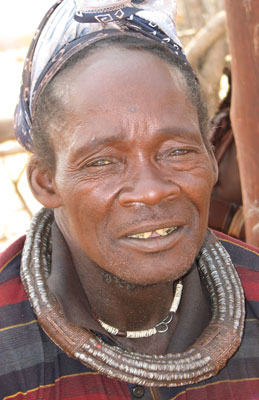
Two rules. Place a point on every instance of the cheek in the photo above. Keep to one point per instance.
(198, 186)
(88, 205)
(197, 189)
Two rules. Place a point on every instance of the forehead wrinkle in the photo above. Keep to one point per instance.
(125, 133)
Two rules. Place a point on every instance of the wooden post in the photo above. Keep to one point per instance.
(243, 31)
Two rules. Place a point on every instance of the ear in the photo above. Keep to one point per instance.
(42, 183)
(214, 164)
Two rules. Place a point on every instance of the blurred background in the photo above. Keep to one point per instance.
(201, 25)
(18, 22)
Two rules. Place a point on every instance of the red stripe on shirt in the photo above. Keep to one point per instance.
(241, 390)
(250, 283)
(11, 252)
(237, 242)
(12, 292)
(88, 386)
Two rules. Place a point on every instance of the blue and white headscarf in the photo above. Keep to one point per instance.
(71, 25)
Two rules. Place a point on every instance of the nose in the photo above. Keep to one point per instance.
(148, 185)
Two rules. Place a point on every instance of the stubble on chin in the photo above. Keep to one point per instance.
(110, 279)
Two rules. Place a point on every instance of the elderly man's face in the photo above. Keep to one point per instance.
(133, 175)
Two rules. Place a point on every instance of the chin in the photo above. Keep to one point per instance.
(154, 272)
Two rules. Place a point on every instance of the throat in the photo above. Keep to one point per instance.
(137, 309)
(143, 320)
(161, 327)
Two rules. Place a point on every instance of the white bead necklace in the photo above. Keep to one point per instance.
(161, 327)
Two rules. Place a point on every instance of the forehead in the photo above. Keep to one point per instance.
(116, 70)
(114, 89)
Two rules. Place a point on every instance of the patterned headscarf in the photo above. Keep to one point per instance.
(71, 25)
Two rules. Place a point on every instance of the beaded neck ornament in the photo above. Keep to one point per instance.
(161, 327)
(203, 359)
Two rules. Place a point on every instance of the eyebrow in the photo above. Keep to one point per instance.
(179, 131)
(99, 142)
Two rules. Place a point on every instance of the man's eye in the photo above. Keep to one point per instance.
(99, 163)
(179, 152)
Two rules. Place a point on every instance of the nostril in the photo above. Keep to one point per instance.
(149, 193)
(172, 196)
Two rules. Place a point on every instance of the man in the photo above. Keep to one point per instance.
(121, 292)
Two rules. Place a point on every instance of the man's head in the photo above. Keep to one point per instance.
(132, 177)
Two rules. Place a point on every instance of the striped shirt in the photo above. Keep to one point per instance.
(32, 367)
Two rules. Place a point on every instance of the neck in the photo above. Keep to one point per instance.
(124, 305)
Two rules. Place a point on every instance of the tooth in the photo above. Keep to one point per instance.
(161, 232)
(147, 235)
(165, 231)
(140, 235)
(136, 236)
(144, 235)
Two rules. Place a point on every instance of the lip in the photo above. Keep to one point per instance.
(153, 245)
(151, 228)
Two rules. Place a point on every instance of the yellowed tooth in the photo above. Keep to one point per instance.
(161, 231)
(147, 235)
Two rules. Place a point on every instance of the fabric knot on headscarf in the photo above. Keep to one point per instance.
(71, 25)
(108, 11)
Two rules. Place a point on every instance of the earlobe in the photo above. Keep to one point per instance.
(42, 184)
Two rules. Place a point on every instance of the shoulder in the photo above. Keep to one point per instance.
(10, 273)
(242, 254)
(31, 365)
(11, 256)
(246, 261)
(12, 294)
(15, 311)
(11, 289)
(20, 337)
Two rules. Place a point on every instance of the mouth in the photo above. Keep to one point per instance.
(153, 234)
(154, 240)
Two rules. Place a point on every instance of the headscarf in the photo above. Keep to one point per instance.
(71, 25)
